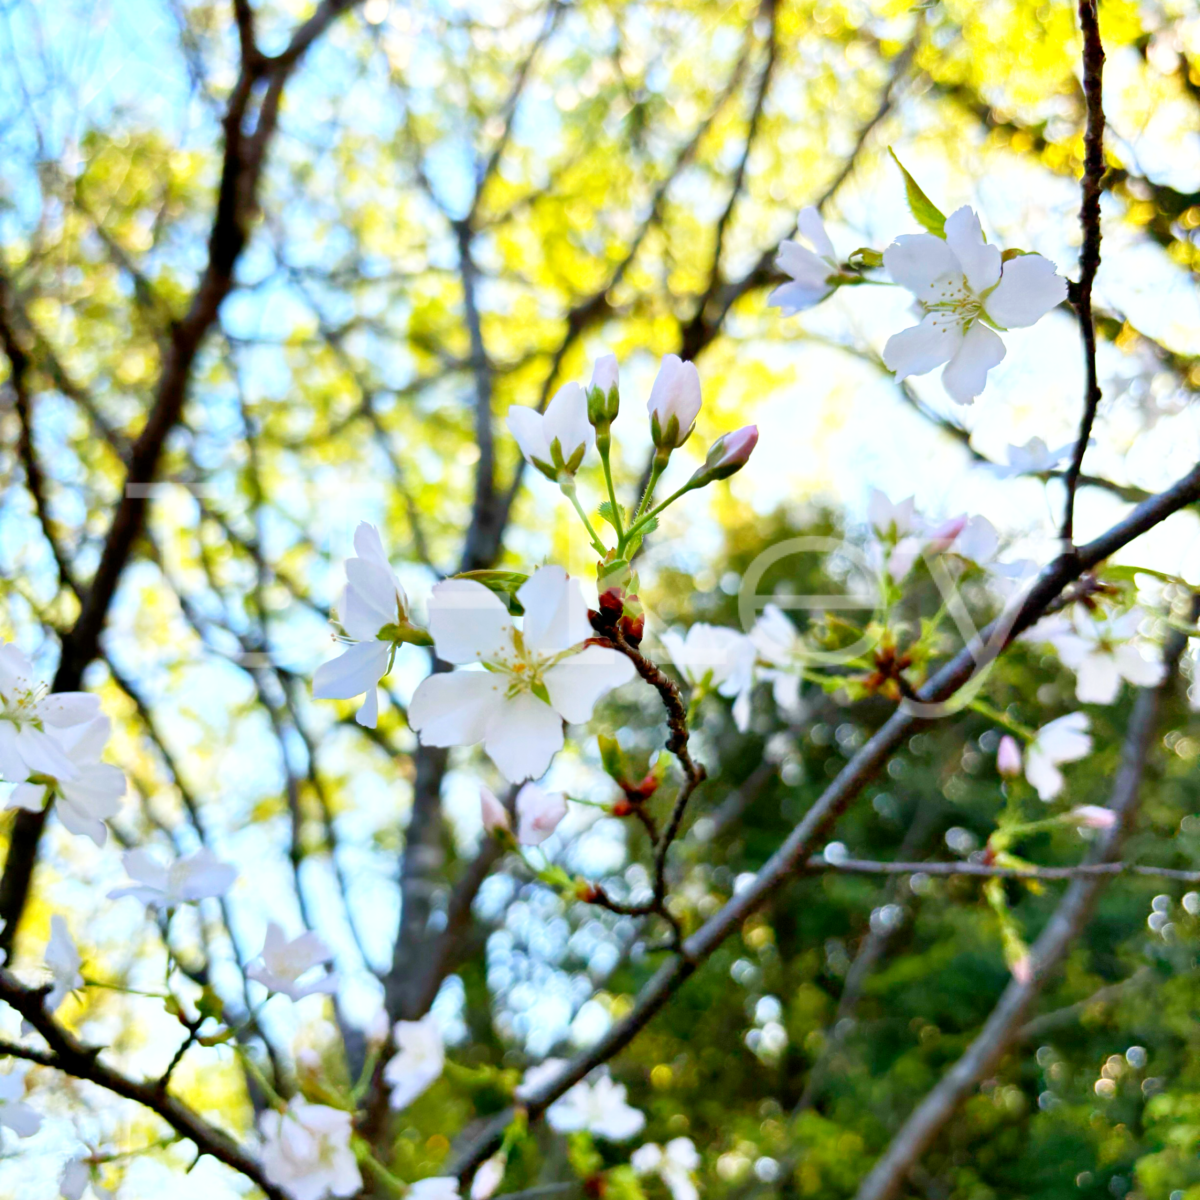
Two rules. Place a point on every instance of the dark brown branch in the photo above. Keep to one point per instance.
(68, 1054)
(1089, 257)
(1052, 946)
(791, 857)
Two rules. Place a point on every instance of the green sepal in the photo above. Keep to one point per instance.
(504, 584)
(864, 258)
(405, 635)
(927, 214)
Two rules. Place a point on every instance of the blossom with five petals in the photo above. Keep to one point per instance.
(374, 615)
(1101, 653)
(810, 269)
(558, 439)
(528, 681)
(307, 1150)
(418, 1062)
(964, 292)
(1062, 740)
(712, 656)
(282, 963)
(600, 1108)
(674, 1163)
(62, 959)
(92, 793)
(194, 877)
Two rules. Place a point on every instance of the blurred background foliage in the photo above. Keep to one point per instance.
(465, 205)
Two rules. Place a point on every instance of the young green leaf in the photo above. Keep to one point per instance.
(926, 212)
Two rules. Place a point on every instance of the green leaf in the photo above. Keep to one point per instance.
(606, 512)
(922, 208)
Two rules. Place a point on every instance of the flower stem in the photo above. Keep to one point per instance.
(612, 493)
(568, 490)
(1002, 718)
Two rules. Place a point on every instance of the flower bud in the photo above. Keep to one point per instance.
(1094, 816)
(495, 815)
(727, 455)
(674, 402)
(602, 396)
(1008, 757)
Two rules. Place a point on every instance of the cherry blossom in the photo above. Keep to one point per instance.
(964, 293)
(524, 682)
(1101, 653)
(809, 266)
(15, 1114)
(538, 1076)
(892, 521)
(27, 714)
(418, 1062)
(558, 439)
(779, 645)
(307, 1151)
(674, 1163)
(1008, 757)
(373, 613)
(283, 962)
(538, 814)
(1033, 458)
(674, 402)
(495, 815)
(1094, 816)
(434, 1187)
(711, 656)
(62, 960)
(1062, 740)
(599, 1108)
(73, 1181)
(726, 456)
(194, 877)
(91, 793)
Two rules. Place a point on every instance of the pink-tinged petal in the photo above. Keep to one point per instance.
(919, 349)
(555, 612)
(469, 623)
(915, 260)
(356, 670)
(1028, 289)
(525, 424)
(1097, 679)
(575, 684)
(369, 545)
(494, 814)
(965, 375)
(453, 709)
(980, 262)
(792, 298)
(523, 735)
(539, 814)
(813, 228)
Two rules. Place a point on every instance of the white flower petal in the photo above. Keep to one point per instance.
(980, 261)
(1138, 670)
(525, 424)
(915, 260)
(575, 684)
(469, 623)
(813, 228)
(370, 598)
(805, 267)
(965, 375)
(30, 796)
(538, 814)
(69, 708)
(454, 709)
(355, 671)
(369, 545)
(792, 298)
(1097, 679)
(368, 711)
(523, 736)
(919, 349)
(555, 612)
(12, 765)
(1028, 289)
(567, 420)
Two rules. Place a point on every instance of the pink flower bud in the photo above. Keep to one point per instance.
(727, 455)
(495, 815)
(674, 402)
(942, 538)
(1094, 816)
(1022, 970)
(1008, 757)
